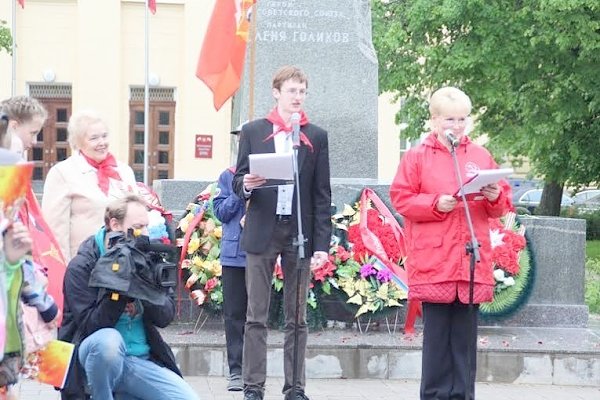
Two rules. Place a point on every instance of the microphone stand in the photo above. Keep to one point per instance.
(299, 242)
(472, 249)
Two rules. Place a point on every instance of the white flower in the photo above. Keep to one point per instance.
(499, 275)
(496, 238)
(155, 218)
(510, 281)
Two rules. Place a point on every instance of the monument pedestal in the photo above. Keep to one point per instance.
(557, 298)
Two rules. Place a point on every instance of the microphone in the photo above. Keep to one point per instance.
(453, 140)
(295, 119)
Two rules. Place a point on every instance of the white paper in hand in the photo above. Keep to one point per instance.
(272, 165)
(483, 178)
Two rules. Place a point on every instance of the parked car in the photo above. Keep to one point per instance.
(590, 205)
(585, 195)
(530, 199)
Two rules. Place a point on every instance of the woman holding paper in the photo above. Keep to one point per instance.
(423, 191)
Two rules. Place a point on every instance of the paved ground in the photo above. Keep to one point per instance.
(213, 388)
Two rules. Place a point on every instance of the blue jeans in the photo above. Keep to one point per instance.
(109, 370)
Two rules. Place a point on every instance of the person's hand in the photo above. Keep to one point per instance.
(491, 191)
(446, 203)
(17, 242)
(318, 259)
(251, 181)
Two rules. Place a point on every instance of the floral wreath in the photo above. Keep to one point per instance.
(359, 277)
(514, 267)
(353, 275)
(199, 235)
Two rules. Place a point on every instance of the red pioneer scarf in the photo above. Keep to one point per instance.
(106, 169)
(279, 124)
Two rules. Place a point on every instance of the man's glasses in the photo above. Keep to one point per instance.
(296, 92)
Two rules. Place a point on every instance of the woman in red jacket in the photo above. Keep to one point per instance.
(436, 230)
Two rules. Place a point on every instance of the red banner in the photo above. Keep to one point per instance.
(221, 61)
(45, 249)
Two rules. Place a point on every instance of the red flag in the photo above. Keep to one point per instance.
(22, 3)
(221, 60)
(45, 249)
(151, 6)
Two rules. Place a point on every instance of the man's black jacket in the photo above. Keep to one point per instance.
(85, 313)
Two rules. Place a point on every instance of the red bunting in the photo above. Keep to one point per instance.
(45, 249)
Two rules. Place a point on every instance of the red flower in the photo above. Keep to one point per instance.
(382, 230)
(506, 256)
(324, 271)
(211, 284)
(278, 271)
(342, 253)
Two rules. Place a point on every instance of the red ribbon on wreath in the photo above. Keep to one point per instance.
(375, 247)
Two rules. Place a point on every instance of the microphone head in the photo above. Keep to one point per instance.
(453, 140)
(295, 118)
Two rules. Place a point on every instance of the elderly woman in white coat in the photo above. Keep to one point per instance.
(77, 190)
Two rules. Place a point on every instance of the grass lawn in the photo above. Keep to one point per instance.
(592, 275)
(592, 249)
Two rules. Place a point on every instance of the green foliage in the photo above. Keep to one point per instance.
(5, 38)
(592, 219)
(531, 69)
(592, 284)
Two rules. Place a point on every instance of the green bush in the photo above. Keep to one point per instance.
(592, 221)
(592, 284)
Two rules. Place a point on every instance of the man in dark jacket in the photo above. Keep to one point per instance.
(229, 209)
(119, 350)
(271, 228)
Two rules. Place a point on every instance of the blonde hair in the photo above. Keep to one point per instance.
(286, 73)
(79, 124)
(449, 99)
(23, 109)
(117, 209)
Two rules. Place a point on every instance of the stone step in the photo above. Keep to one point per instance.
(552, 356)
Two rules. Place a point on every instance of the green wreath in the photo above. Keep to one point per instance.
(513, 285)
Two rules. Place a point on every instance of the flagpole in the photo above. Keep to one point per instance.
(13, 88)
(146, 95)
(251, 67)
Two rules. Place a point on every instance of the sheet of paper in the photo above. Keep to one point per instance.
(272, 165)
(484, 177)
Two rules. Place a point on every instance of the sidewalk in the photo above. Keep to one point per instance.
(213, 388)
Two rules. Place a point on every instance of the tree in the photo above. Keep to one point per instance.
(530, 67)
(5, 38)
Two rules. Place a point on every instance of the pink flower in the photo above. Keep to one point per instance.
(211, 284)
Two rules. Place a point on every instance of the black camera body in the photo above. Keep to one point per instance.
(135, 267)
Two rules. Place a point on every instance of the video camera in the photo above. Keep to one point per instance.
(135, 267)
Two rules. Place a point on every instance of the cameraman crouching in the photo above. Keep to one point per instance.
(119, 349)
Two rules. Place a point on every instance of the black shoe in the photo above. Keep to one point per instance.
(299, 396)
(252, 395)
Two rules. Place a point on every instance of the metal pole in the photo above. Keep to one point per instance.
(146, 94)
(13, 88)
